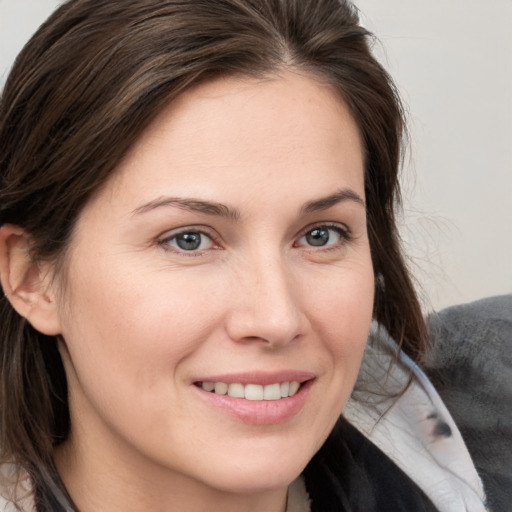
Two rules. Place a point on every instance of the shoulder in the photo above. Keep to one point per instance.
(398, 409)
(470, 364)
(474, 338)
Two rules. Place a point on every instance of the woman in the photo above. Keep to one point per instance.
(197, 213)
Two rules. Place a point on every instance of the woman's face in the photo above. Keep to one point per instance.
(229, 251)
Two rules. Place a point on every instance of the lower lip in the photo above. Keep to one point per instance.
(259, 412)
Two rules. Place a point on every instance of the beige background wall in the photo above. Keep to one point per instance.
(452, 60)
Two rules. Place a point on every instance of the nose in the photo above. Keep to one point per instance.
(266, 304)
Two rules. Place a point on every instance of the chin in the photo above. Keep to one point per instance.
(263, 470)
(249, 480)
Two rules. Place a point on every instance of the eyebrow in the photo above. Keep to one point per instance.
(194, 205)
(325, 203)
(221, 210)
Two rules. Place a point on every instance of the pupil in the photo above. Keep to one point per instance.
(318, 237)
(189, 241)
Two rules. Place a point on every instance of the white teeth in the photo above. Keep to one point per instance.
(236, 390)
(208, 386)
(253, 391)
(221, 388)
(272, 392)
(294, 387)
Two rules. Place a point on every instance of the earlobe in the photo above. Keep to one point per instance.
(27, 284)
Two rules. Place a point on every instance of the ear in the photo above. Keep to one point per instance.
(27, 284)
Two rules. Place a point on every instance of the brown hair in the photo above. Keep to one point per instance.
(84, 89)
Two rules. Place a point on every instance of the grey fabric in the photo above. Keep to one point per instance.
(470, 365)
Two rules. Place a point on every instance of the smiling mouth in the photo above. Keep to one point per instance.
(276, 391)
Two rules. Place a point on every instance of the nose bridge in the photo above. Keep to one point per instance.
(266, 305)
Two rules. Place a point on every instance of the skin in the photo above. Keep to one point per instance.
(141, 319)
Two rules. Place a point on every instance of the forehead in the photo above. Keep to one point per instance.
(252, 109)
(238, 134)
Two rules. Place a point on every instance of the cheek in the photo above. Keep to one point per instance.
(344, 302)
(128, 341)
(341, 314)
(136, 321)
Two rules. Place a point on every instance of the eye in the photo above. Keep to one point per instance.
(324, 236)
(189, 241)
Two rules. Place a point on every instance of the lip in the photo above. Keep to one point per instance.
(258, 412)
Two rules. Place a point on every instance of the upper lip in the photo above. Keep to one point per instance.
(258, 377)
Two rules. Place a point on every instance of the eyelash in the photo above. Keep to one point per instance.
(166, 240)
(344, 234)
